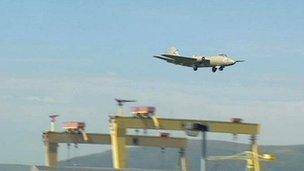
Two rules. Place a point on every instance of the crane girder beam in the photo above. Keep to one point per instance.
(180, 124)
(131, 140)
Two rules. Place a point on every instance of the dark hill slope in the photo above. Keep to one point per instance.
(289, 157)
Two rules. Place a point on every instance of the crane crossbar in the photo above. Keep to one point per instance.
(180, 124)
(131, 140)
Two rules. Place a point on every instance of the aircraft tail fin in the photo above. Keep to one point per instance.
(173, 51)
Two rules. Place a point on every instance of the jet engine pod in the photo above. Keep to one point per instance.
(200, 59)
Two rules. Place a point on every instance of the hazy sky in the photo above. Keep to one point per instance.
(74, 57)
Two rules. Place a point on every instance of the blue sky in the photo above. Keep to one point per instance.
(74, 57)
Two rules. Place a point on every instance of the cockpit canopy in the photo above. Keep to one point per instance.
(222, 54)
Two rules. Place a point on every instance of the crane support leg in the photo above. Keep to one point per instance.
(51, 154)
(255, 157)
(204, 151)
(156, 122)
(119, 152)
(183, 160)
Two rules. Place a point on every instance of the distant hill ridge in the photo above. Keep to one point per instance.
(14, 167)
(289, 158)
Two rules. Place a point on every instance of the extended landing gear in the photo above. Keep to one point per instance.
(214, 69)
(195, 68)
(221, 68)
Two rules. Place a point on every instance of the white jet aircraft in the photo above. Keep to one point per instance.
(216, 62)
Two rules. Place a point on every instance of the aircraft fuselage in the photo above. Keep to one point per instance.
(215, 61)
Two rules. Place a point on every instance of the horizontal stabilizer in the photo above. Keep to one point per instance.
(240, 61)
(163, 58)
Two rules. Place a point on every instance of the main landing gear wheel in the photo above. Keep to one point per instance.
(214, 69)
(221, 68)
(195, 68)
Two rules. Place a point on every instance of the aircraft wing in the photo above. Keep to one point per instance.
(185, 61)
(182, 59)
(177, 61)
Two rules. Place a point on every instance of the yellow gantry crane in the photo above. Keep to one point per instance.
(52, 139)
(120, 124)
(119, 138)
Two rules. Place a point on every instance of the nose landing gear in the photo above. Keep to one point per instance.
(221, 68)
(195, 68)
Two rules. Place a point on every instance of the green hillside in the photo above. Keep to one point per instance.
(289, 157)
(14, 167)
